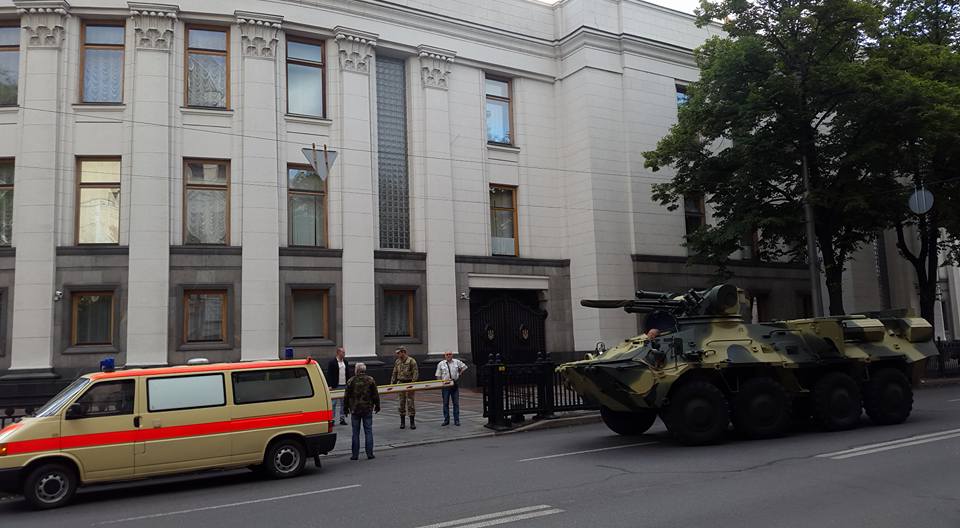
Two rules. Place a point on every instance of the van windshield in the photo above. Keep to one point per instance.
(57, 402)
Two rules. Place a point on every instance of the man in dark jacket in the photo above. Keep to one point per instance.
(360, 400)
(337, 374)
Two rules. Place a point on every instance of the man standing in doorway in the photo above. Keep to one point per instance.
(450, 369)
(405, 370)
(337, 374)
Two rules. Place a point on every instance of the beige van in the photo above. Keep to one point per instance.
(131, 424)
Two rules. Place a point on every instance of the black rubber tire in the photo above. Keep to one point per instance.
(888, 397)
(50, 485)
(628, 423)
(698, 413)
(761, 409)
(837, 404)
(284, 458)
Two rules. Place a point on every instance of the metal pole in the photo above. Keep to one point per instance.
(815, 293)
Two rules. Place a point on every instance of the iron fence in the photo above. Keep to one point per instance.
(948, 362)
(511, 391)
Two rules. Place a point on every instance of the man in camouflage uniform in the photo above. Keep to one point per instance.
(405, 371)
(360, 400)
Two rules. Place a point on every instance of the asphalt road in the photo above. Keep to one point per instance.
(894, 476)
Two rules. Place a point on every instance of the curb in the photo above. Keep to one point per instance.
(931, 383)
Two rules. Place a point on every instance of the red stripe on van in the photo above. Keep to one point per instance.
(165, 433)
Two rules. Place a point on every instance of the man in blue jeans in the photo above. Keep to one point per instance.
(360, 400)
(450, 369)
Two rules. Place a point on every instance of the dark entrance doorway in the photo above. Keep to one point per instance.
(506, 322)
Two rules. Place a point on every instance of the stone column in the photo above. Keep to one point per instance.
(357, 172)
(438, 176)
(39, 166)
(152, 166)
(260, 308)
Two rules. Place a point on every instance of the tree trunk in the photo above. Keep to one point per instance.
(924, 263)
(833, 274)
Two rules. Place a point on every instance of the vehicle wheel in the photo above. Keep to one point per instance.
(285, 458)
(888, 397)
(628, 423)
(50, 486)
(761, 409)
(836, 402)
(698, 413)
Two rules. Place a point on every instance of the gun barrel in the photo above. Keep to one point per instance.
(652, 295)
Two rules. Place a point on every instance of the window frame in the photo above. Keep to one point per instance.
(702, 206)
(233, 385)
(14, 23)
(83, 57)
(205, 186)
(323, 194)
(94, 385)
(187, 50)
(681, 87)
(508, 99)
(516, 223)
(411, 295)
(302, 62)
(223, 386)
(9, 187)
(325, 292)
(74, 316)
(224, 327)
(79, 185)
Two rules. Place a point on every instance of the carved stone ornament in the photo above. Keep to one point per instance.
(435, 66)
(259, 34)
(153, 25)
(356, 49)
(44, 21)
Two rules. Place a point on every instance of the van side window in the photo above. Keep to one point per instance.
(271, 385)
(108, 398)
(185, 392)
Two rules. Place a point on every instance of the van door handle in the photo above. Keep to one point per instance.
(136, 421)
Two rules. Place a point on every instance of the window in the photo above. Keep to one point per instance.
(98, 201)
(205, 316)
(503, 220)
(305, 78)
(208, 68)
(393, 184)
(498, 111)
(206, 202)
(694, 215)
(306, 207)
(310, 314)
(9, 64)
(751, 246)
(185, 392)
(101, 78)
(682, 95)
(398, 313)
(108, 398)
(255, 386)
(6, 202)
(92, 319)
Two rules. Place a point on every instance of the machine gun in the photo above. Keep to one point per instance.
(721, 300)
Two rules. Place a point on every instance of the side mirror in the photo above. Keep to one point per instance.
(75, 411)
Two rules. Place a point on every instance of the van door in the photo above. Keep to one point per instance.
(99, 430)
(185, 424)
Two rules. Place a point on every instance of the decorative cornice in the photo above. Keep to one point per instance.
(259, 34)
(44, 20)
(435, 66)
(356, 49)
(153, 25)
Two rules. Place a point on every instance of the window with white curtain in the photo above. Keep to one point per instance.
(102, 56)
(6, 202)
(206, 202)
(306, 207)
(208, 67)
(92, 319)
(98, 201)
(305, 78)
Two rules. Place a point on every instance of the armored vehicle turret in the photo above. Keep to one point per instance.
(700, 366)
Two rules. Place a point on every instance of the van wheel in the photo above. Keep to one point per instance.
(285, 458)
(50, 486)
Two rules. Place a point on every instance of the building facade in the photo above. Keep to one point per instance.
(156, 203)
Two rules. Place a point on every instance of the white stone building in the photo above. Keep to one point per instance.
(488, 176)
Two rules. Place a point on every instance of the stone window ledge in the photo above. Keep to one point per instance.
(222, 112)
(199, 347)
(107, 107)
(401, 341)
(11, 109)
(497, 147)
(92, 349)
(311, 342)
(307, 120)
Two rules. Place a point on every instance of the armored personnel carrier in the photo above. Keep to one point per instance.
(699, 366)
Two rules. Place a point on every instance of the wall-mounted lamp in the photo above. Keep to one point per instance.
(464, 296)
(58, 296)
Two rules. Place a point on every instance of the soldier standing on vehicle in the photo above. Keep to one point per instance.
(360, 400)
(405, 370)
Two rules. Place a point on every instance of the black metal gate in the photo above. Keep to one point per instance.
(504, 325)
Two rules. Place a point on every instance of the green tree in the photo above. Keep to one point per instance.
(766, 99)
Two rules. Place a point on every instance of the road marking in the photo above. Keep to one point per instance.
(493, 519)
(587, 451)
(893, 444)
(231, 505)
